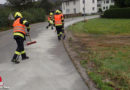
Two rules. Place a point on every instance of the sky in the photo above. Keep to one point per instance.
(2, 1)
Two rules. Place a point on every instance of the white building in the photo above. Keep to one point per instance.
(85, 6)
(104, 4)
(79, 6)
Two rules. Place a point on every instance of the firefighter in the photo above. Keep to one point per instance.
(19, 33)
(58, 21)
(63, 30)
(50, 20)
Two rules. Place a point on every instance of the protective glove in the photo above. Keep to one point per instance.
(28, 29)
(27, 34)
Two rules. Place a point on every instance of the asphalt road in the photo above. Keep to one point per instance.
(49, 66)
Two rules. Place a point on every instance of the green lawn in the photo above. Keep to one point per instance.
(107, 46)
(103, 26)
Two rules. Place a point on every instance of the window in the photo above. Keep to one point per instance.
(93, 1)
(74, 10)
(98, 5)
(63, 6)
(83, 9)
(74, 2)
(83, 1)
(104, 8)
(107, 1)
(112, 1)
(93, 8)
(67, 11)
(67, 3)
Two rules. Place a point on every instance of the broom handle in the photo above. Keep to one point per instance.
(29, 37)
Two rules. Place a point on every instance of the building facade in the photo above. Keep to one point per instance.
(104, 4)
(85, 6)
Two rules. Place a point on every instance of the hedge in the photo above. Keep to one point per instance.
(4, 13)
(117, 13)
(32, 15)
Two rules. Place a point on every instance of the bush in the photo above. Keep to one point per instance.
(117, 13)
(34, 15)
(4, 17)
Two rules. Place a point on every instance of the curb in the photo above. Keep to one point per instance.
(77, 64)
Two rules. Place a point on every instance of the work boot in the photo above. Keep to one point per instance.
(24, 57)
(64, 36)
(59, 38)
(15, 61)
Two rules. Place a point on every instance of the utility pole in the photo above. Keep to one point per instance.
(84, 10)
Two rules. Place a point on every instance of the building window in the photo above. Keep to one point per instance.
(83, 9)
(93, 8)
(67, 11)
(67, 3)
(98, 5)
(112, 1)
(93, 1)
(104, 8)
(74, 2)
(107, 1)
(74, 10)
(83, 1)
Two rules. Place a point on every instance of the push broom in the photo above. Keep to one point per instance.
(31, 42)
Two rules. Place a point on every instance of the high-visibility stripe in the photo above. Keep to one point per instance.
(58, 24)
(19, 34)
(19, 27)
(61, 33)
(18, 53)
(22, 52)
(25, 21)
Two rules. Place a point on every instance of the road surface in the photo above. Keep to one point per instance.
(48, 68)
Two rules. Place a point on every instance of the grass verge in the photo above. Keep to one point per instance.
(103, 46)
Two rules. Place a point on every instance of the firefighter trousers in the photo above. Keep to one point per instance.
(20, 48)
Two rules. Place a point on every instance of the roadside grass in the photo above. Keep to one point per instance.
(104, 49)
(103, 26)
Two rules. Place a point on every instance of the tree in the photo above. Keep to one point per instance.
(127, 2)
(122, 3)
(20, 4)
(58, 3)
(46, 4)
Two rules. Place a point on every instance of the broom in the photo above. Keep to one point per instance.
(31, 42)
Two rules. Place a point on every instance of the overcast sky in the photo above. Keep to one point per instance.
(2, 1)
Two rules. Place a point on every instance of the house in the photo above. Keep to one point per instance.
(79, 6)
(104, 4)
(85, 6)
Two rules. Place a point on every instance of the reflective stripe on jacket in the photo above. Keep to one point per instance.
(58, 20)
(18, 27)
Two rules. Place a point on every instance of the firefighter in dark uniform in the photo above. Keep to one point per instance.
(19, 32)
(58, 21)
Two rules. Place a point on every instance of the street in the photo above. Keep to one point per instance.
(48, 68)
